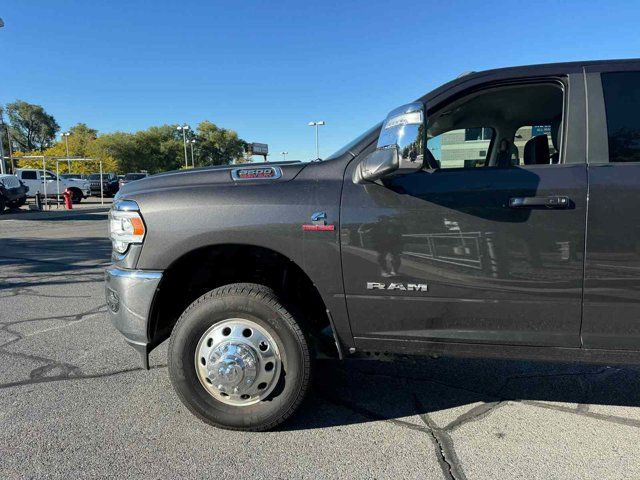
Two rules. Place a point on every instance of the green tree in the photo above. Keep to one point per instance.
(80, 139)
(32, 128)
(156, 149)
(217, 146)
(159, 149)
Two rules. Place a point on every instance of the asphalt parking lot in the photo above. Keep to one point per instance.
(75, 403)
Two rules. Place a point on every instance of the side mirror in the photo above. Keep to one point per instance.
(400, 148)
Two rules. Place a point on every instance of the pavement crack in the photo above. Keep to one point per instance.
(582, 408)
(474, 414)
(446, 454)
(71, 319)
(67, 373)
(629, 422)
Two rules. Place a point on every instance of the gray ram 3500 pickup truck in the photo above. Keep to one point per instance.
(497, 216)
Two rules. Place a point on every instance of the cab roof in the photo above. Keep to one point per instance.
(543, 69)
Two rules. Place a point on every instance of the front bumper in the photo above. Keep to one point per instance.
(129, 295)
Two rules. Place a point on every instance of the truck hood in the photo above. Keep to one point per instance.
(245, 174)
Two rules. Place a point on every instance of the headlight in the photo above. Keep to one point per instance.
(125, 225)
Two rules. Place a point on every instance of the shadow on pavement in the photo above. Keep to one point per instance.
(93, 214)
(364, 391)
(52, 255)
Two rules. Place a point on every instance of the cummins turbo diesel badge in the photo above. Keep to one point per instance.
(256, 173)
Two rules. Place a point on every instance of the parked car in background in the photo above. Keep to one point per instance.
(13, 193)
(45, 182)
(110, 184)
(131, 177)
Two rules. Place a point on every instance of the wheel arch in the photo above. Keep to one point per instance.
(208, 267)
(73, 188)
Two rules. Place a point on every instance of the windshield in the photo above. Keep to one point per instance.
(349, 146)
(96, 176)
(134, 176)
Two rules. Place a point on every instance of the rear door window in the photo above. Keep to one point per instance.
(622, 103)
(29, 175)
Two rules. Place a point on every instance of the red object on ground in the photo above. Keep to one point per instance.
(68, 204)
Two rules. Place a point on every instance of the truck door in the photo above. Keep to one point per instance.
(612, 270)
(484, 245)
(31, 180)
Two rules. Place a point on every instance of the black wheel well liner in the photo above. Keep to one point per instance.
(201, 270)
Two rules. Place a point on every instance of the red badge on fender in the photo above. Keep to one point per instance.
(318, 228)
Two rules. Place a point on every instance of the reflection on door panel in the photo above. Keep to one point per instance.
(495, 273)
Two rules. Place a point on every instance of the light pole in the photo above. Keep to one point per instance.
(284, 156)
(2, 171)
(65, 135)
(9, 143)
(317, 124)
(2, 125)
(193, 162)
(184, 129)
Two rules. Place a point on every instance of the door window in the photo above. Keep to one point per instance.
(622, 103)
(527, 132)
(499, 127)
(29, 176)
(461, 148)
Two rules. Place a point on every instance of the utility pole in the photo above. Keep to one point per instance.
(193, 162)
(2, 170)
(184, 129)
(317, 124)
(10, 143)
(65, 135)
(4, 126)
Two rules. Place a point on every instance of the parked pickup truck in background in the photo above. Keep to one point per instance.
(110, 184)
(45, 182)
(496, 216)
(132, 177)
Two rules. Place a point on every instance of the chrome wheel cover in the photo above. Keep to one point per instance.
(237, 362)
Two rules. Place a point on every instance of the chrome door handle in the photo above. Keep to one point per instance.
(532, 202)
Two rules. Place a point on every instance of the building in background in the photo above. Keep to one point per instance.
(469, 147)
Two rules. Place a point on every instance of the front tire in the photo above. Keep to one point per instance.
(238, 359)
(76, 196)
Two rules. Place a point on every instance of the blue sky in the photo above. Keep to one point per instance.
(267, 68)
